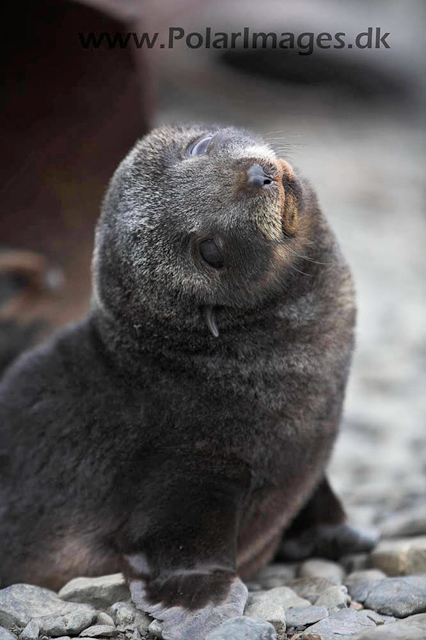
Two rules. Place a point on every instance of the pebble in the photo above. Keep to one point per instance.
(378, 618)
(7, 635)
(354, 562)
(100, 592)
(104, 618)
(413, 628)
(275, 575)
(270, 611)
(360, 583)
(301, 617)
(31, 631)
(155, 629)
(400, 557)
(254, 586)
(399, 597)
(99, 631)
(320, 568)
(20, 603)
(125, 614)
(122, 613)
(310, 588)
(282, 596)
(70, 623)
(245, 628)
(343, 624)
(334, 599)
(54, 625)
(408, 522)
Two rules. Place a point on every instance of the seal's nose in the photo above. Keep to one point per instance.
(256, 177)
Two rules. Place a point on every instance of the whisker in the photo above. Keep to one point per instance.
(300, 255)
(310, 275)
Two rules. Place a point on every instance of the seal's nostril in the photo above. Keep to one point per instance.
(256, 176)
(211, 253)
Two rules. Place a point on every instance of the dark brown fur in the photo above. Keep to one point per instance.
(138, 440)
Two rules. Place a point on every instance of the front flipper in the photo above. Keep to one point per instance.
(320, 530)
(180, 546)
(205, 601)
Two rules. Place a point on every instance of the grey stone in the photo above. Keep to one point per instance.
(99, 631)
(283, 596)
(378, 618)
(104, 618)
(100, 592)
(367, 575)
(399, 597)
(69, 623)
(343, 624)
(5, 634)
(31, 631)
(408, 522)
(413, 628)
(334, 599)
(20, 603)
(52, 625)
(360, 583)
(254, 586)
(301, 617)
(310, 588)
(354, 562)
(155, 629)
(122, 613)
(400, 557)
(245, 628)
(125, 613)
(270, 611)
(78, 619)
(275, 575)
(320, 568)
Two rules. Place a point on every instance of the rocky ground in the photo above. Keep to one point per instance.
(381, 596)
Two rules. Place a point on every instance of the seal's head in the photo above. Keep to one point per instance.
(196, 218)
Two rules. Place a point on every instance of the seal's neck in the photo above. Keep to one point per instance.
(158, 338)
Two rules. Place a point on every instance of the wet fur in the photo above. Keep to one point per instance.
(138, 434)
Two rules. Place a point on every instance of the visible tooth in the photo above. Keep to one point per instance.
(211, 320)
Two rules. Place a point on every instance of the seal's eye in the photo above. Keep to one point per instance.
(199, 146)
(211, 253)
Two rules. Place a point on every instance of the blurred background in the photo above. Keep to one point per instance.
(351, 120)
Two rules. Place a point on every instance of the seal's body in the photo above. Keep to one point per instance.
(178, 430)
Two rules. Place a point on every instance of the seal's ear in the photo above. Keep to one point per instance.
(293, 199)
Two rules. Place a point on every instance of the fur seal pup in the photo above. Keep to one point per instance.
(180, 428)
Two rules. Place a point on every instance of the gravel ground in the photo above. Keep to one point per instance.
(316, 600)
